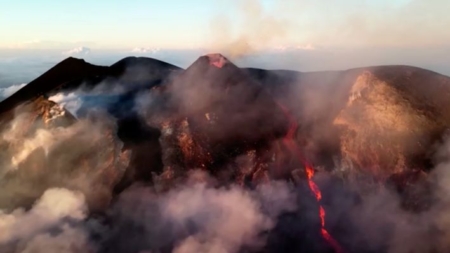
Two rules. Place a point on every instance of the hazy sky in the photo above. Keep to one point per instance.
(103, 23)
(320, 34)
(120, 24)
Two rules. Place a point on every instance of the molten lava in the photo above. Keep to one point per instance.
(217, 60)
(290, 143)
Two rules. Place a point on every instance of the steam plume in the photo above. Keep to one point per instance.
(198, 218)
(30, 231)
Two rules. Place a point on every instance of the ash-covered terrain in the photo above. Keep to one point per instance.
(143, 156)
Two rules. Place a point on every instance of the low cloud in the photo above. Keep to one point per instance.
(8, 91)
(144, 50)
(78, 51)
(42, 44)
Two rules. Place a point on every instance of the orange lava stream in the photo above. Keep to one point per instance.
(289, 142)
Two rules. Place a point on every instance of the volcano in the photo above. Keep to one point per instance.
(102, 130)
(225, 112)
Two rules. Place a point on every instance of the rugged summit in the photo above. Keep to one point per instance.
(224, 106)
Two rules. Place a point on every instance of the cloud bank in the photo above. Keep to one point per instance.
(8, 91)
(144, 50)
(78, 51)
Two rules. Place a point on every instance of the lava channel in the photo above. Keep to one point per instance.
(290, 143)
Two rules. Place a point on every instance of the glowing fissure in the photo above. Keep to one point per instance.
(290, 143)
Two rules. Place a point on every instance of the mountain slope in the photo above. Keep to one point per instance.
(65, 71)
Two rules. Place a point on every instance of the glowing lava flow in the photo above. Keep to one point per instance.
(289, 142)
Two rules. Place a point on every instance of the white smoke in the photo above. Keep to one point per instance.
(224, 225)
(193, 218)
(47, 139)
(71, 102)
(227, 219)
(199, 218)
(70, 240)
(36, 158)
(75, 99)
(29, 231)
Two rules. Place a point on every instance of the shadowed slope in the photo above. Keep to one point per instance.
(65, 71)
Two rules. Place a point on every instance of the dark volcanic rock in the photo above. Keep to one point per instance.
(227, 111)
(141, 69)
(65, 71)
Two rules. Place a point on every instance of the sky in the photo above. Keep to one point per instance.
(325, 34)
(103, 23)
(180, 24)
